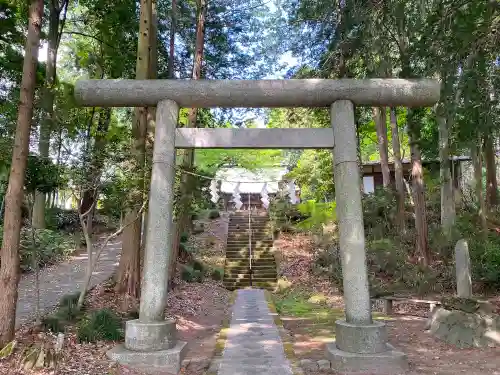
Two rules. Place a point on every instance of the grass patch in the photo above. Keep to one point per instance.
(310, 314)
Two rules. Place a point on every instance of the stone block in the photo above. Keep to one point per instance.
(390, 362)
(161, 361)
(355, 338)
(324, 364)
(308, 364)
(150, 336)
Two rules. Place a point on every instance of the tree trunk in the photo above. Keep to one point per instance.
(398, 170)
(447, 191)
(173, 26)
(9, 268)
(48, 119)
(478, 180)
(380, 118)
(491, 173)
(418, 191)
(128, 279)
(188, 155)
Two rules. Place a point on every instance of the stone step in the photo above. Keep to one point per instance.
(246, 246)
(245, 250)
(256, 268)
(246, 284)
(246, 237)
(255, 277)
(262, 243)
(243, 262)
(255, 258)
(246, 254)
(255, 250)
(244, 224)
(246, 274)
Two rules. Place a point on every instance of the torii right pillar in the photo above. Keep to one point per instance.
(361, 344)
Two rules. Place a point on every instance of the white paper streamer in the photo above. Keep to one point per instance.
(214, 191)
(291, 192)
(264, 196)
(237, 197)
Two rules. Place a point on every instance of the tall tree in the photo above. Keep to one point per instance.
(398, 169)
(184, 216)
(57, 19)
(128, 278)
(491, 172)
(380, 117)
(173, 29)
(9, 268)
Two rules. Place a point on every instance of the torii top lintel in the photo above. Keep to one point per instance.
(258, 93)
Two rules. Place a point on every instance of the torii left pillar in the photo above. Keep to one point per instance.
(151, 341)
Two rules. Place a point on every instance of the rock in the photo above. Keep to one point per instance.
(308, 364)
(199, 364)
(464, 330)
(324, 364)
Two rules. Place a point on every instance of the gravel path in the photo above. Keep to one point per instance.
(253, 343)
(61, 279)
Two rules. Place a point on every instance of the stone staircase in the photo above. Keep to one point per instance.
(237, 265)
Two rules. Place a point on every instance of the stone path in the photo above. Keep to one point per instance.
(253, 343)
(63, 278)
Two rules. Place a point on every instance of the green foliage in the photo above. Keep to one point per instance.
(314, 174)
(214, 214)
(184, 237)
(49, 247)
(217, 274)
(318, 215)
(379, 213)
(198, 265)
(61, 219)
(41, 175)
(198, 276)
(187, 273)
(100, 325)
(283, 214)
(66, 313)
(53, 324)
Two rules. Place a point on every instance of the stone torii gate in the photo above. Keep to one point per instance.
(361, 343)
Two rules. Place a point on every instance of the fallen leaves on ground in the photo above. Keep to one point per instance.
(198, 308)
(427, 355)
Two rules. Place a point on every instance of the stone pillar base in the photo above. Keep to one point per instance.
(151, 347)
(158, 362)
(150, 336)
(364, 349)
(390, 362)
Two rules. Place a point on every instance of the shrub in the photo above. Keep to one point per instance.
(198, 228)
(68, 313)
(217, 274)
(198, 265)
(100, 325)
(61, 219)
(49, 248)
(184, 237)
(53, 323)
(70, 299)
(187, 274)
(198, 276)
(214, 214)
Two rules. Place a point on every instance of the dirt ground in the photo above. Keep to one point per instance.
(198, 308)
(310, 334)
